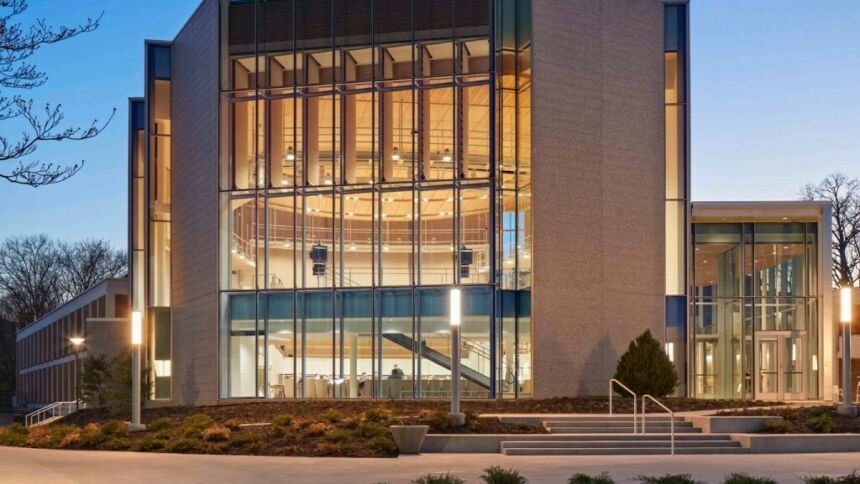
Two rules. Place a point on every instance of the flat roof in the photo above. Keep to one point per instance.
(760, 211)
(118, 285)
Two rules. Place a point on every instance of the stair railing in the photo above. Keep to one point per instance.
(56, 409)
(613, 381)
(671, 419)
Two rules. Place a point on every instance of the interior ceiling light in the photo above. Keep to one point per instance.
(395, 154)
(291, 155)
(446, 157)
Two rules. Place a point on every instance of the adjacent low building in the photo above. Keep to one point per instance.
(47, 363)
(308, 180)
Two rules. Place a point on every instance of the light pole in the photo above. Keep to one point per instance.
(846, 315)
(136, 341)
(77, 342)
(455, 304)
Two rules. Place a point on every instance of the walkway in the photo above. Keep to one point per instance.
(57, 466)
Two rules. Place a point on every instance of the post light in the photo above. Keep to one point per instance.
(454, 317)
(846, 316)
(77, 343)
(136, 342)
(136, 328)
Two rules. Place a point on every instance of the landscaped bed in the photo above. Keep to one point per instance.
(303, 428)
(803, 420)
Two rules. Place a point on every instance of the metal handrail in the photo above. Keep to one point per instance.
(39, 415)
(671, 419)
(613, 380)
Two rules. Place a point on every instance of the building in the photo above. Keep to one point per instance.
(47, 363)
(308, 179)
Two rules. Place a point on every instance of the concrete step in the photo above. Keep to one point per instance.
(616, 417)
(648, 423)
(625, 451)
(618, 437)
(613, 444)
(621, 430)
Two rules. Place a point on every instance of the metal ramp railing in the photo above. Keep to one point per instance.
(51, 411)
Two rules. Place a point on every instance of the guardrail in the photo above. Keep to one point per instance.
(645, 398)
(616, 382)
(56, 409)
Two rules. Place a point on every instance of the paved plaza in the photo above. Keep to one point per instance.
(55, 466)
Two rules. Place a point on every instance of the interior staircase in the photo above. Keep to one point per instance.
(613, 435)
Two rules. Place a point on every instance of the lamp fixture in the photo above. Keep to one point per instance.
(446, 156)
(291, 155)
(76, 341)
(395, 154)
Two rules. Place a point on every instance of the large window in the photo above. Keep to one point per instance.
(358, 180)
(755, 299)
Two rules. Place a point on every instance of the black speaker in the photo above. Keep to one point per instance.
(465, 256)
(319, 254)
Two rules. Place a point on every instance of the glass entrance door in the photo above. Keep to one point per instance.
(779, 369)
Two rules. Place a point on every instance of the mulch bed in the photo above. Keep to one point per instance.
(257, 412)
(805, 420)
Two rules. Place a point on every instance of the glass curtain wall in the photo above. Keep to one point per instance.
(359, 170)
(676, 18)
(755, 310)
(158, 178)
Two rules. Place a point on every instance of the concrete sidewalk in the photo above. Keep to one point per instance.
(57, 466)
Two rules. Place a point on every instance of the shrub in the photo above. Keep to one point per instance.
(115, 428)
(246, 441)
(160, 424)
(646, 368)
(91, 437)
(852, 478)
(497, 475)
(440, 422)
(60, 432)
(186, 445)
(283, 420)
(332, 448)
(150, 443)
(447, 478)
(351, 424)
(383, 444)
(337, 437)
(233, 424)
(777, 427)
(602, 478)
(668, 479)
(377, 414)
(39, 436)
(117, 443)
(195, 424)
(71, 439)
(14, 435)
(316, 429)
(821, 422)
(741, 478)
(369, 430)
(331, 416)
(216, 433)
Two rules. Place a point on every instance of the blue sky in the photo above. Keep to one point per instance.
(775, 104)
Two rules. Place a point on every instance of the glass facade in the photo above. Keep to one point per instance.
(373, 154)
(756, 331)
(676, 109)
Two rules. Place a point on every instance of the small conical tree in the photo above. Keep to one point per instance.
(646, 369)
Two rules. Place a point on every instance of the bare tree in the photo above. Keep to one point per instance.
(30, 278)
(843, 193)
(88, 262)
(18, 43)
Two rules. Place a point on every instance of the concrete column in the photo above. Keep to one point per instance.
(350, 126)
(275, 138)
(312, 128)
(386, 117)
(424, 120)
(353, 365)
